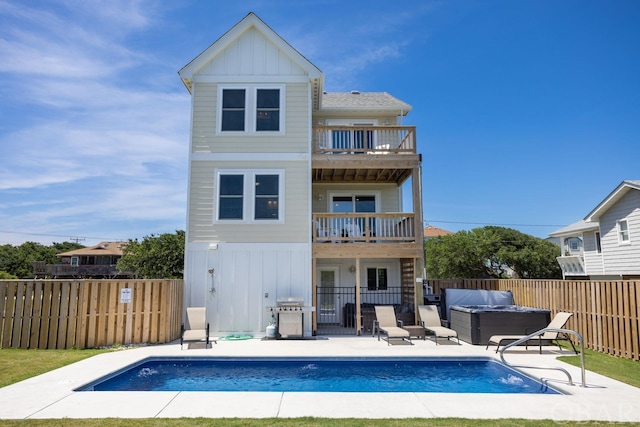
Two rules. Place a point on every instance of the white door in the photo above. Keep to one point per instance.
(328, 300)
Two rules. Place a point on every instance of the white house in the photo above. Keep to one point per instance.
(606, 243)
(295, 192)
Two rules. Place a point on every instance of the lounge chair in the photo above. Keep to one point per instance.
(196, 328)
(387, 324)
(430, 321)
(558, 322)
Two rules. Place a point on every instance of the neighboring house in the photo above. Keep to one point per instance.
(606, 243)
(430, 232)
(97, 261)
(293, 191)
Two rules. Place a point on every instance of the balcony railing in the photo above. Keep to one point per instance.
(67, 270)
(364, 139)
(363, 227)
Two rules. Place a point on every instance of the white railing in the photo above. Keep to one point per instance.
(364, 139)
(363, 227)
(572, 265)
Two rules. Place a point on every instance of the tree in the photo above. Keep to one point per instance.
(17, 260)
(155, 257)
(489, 252)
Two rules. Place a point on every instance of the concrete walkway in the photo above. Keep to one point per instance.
(51, 395)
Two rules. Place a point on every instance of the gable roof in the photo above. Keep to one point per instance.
(101, 249)
(591, 221)
(612, 198)
(364, 101)
(251, 21)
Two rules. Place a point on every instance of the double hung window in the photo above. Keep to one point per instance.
(249, 196)
(251, 109)
(623, 232)
(377, 279)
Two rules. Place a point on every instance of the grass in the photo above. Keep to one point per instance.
(17, 365)
(623, 370)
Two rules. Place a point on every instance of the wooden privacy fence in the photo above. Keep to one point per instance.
(57, 314)
(605, 313)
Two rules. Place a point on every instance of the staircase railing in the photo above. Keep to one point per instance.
(537, 335)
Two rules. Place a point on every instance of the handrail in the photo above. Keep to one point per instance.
(538, 334)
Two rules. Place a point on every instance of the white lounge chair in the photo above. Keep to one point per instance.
(558, 322)
(387, 324)
(196, 329)
(430, 320)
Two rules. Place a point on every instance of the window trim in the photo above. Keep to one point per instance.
(249, 196)
(251, 109)
(624, 237)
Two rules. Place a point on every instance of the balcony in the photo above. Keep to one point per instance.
(41, 269)
(369, 140)
(364, 154)
(364, 228)
(572, 265)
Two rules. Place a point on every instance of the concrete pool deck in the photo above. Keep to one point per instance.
(51, 395)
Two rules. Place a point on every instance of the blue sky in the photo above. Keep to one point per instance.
(527, 112)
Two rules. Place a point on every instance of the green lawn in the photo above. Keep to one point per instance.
(17, 365)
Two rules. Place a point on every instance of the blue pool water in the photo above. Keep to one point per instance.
(465, 375)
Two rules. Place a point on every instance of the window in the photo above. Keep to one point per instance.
(623, 231)
(598, 243)
(249, 196)
(233, 109)
(574, 245)
(377, 279)
(74, 260)
(231, 197)
(251, 109)
(266, 203)
(268, 110)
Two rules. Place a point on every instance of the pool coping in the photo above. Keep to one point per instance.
(51, 395)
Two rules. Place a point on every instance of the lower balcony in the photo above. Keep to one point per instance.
(572, 265)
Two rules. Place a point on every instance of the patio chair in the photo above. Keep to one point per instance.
(558, 322)
(387, 324)
(196, 328)
(430, 321)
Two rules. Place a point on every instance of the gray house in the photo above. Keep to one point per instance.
(606, 243)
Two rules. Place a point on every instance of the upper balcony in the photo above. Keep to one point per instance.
(364, 153)
(369, 140)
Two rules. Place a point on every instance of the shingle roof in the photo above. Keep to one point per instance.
(575, 228)
(355, 100)
(102, 248)
(431, 231)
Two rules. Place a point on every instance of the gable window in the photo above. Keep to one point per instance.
(623, 231)
(249, 196)
(250, 109)
(377, 279)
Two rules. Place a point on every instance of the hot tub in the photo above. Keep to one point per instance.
(475, 324)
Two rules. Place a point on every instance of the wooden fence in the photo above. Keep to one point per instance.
(57, 314)
(605, 313)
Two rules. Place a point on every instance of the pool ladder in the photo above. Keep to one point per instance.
(537, 335)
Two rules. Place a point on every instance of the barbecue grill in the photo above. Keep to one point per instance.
(290, 316)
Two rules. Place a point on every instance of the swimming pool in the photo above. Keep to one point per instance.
(306, 374)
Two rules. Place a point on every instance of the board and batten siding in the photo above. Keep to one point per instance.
(202, 206)
(251, 54)
(622, 258)
(592, 259)
(294, 140)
